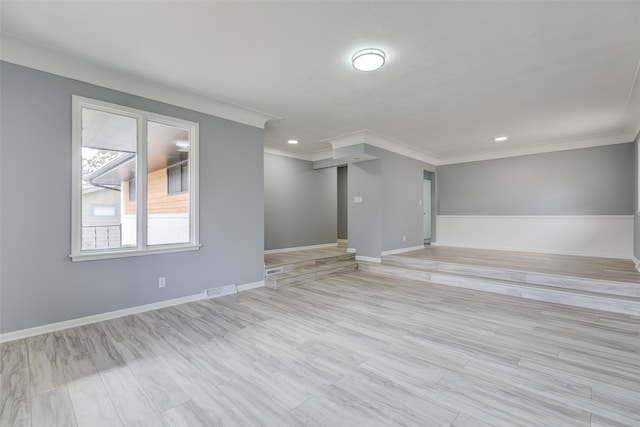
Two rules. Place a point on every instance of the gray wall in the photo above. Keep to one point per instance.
(39, 283)
(402, 214)
(636, 217)
(365, 219)
(343, 202)
(392, 210)
(589, 181)
(300, 203)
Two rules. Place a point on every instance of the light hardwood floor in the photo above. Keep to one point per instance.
(616, 269)
(348, 350)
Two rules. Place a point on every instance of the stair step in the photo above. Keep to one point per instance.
(609, 287)
(311, 262)
(561, 295)
(299, 275)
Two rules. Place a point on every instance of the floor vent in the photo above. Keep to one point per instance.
(272, 271)
(221, 291)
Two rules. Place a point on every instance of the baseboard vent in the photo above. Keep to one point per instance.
(272, 271)
(221, 291)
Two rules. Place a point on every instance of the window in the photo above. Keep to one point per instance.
(134, 182)
(178, 178)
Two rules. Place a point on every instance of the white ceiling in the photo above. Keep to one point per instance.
(457, 73)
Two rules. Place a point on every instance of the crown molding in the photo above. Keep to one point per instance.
(548, 147)
(385, 143)
(26, 54)
(310, 157)
(287, 153)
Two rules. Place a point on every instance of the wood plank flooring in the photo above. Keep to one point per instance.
(348, 350)
(615, 269)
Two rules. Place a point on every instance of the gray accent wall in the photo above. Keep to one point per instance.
(636, 217)
(300, 203)
(402, 212)
(392, 189)
(588, 181)
(343, 202)
(38, 282)
(365, 219)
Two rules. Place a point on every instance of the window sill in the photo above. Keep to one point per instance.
(127, 253)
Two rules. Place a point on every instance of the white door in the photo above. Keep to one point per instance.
(426, 204)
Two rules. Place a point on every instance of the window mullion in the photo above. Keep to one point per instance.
(141, 182)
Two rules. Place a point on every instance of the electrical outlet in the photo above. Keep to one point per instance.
(404, 238)
(162, 282)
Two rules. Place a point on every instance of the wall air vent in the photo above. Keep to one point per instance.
(221, 291)
(272, 271)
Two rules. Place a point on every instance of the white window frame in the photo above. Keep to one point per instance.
(638, 177)
(142, 117)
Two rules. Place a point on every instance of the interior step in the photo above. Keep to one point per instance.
(296, 274)
(608, 287)
(477, 278)
(311, 260)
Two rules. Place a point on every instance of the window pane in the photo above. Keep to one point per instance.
(108, 162)
(167, 203)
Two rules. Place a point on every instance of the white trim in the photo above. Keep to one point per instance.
(368, 259)
(249, 286)
(310, 157)
(539, 216)
(286, 153)
(142, 119)
(299, 248)
(31, 55)
(81, 321)
(636, 261)
(608, 236)
(52, 327)
(402, 250)
(383, 142)
(546, 147)
(125, 253)
(398, 147)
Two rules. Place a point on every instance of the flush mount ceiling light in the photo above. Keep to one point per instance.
(500, 138)
(368, 59)
(292, 141)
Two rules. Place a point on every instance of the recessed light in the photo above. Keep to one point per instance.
(293, 141)
(368, 59)
(500, 138)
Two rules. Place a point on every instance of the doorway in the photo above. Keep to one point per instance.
(426, 206)
(343, 206)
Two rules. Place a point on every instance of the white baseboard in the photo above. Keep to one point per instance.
(248, 286)
(401, 250)
(300, 248)
(81, 321)
(368, 259)
(637, 262)
(609, 236)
